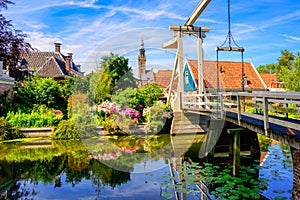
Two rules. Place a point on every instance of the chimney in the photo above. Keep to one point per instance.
(70, 55)
(68, 64)
(57, 47)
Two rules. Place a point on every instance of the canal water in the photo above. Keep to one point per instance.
(139, 167)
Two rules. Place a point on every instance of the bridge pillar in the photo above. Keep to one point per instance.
(236, 146)
(296, 166)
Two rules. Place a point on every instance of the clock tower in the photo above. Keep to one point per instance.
(141, 61)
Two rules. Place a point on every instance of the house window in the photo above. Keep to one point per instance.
(186, 77)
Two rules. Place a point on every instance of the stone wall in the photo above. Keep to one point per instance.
(296, 165)
(6, 86)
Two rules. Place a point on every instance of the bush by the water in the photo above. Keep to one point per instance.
(7, 132)
(66, 130)
(40, 117)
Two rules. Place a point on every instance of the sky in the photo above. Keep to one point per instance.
(91, 29)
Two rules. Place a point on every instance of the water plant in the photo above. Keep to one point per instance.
(219, 179)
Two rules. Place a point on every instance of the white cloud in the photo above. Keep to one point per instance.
(291, 37)
(41, 41)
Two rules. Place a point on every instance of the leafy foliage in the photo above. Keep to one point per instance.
(42, 91)
(39, 117)
(104, 88)
(114, 74)
(145, 96)
(156, 116)
(8, 132)
(5, 102)
(291, 75)
(287, 69)
(66, 130)
(267, 69)
(12, 43)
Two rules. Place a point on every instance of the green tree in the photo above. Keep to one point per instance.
(285, 61)
(12, 43)
(104, 88)
(39, 91)
(114, 74)
(268, 68)
(291, 76)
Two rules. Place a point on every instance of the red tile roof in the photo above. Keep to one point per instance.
(163, 78)
(230, 77)
(271, 80)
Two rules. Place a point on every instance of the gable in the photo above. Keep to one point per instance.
(50, 68)
(271, 80)
(188, 79)
(230, 74)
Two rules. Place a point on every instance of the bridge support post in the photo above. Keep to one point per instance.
(238, 99)
(286, 115)
(236, 146)
(296, 166)
(266, 118)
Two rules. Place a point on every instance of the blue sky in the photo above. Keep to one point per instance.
(93, 28)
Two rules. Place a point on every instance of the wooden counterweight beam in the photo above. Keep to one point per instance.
(240, 49)
(197, 12)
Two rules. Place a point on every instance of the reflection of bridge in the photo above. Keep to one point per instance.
(275, 115)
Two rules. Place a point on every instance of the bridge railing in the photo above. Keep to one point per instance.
(281, 108)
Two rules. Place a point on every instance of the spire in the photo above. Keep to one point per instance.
(142, 49)
(142, 44)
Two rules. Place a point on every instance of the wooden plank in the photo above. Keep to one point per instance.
(197, 12)
(239, 109)
(279, 122)
(189, 29)
(240, 49)
(278, 101)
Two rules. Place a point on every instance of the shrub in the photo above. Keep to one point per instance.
(156, 116)
(145, 96)
(40, 117)
(66, 130)
(7, 132)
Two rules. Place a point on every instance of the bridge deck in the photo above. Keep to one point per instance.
(234, 107)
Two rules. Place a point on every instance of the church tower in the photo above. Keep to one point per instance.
(141, 61)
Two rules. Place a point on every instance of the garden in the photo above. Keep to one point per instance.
(76, 105)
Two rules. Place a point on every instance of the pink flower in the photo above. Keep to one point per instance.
(137, 114)
(58, 112)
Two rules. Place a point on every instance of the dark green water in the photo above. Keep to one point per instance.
(126, 167)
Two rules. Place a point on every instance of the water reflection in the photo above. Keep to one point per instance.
(72, 170)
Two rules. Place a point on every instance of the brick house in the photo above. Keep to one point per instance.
(272, 82)
(6, 82)
(49, 64)
(230, 76)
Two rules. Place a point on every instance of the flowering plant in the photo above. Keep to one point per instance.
(112, 117)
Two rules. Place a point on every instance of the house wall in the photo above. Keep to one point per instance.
(6, 86)
(188, 81)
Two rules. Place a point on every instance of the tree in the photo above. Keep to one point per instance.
(12, 43)
(267, 69)
(291, 76)
(39, 91)
(104, 87)
(114, 74)
(285, 60)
